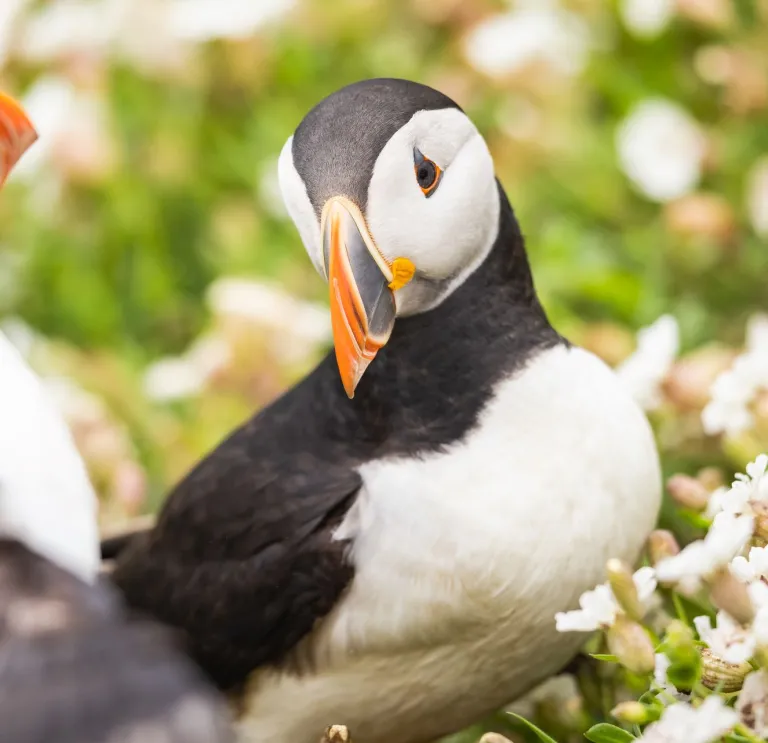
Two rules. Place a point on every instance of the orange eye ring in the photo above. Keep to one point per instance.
(428, 173)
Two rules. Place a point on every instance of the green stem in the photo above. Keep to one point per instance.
(745, 732)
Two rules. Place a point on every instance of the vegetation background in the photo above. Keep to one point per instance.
(149, 271)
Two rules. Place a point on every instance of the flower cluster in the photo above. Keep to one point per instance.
(690, 629)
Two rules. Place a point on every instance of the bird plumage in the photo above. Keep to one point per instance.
(394, 561)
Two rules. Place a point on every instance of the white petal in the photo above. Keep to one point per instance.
(644, 371)
(741, 569)
(575, 621)
(645, 583)
(740, 652)
(661, 149)
(601, 604)
(703, 626)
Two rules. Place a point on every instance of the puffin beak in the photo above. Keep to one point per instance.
(16, 135)
(362, 302)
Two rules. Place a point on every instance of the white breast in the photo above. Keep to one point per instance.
(463, 557)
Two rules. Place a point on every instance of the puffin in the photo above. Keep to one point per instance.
(76, 664)
(386, 544)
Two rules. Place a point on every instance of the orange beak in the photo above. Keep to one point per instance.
(16, 135)
(362, 304)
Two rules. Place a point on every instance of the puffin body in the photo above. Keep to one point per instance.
(74, 666)
(389, 552)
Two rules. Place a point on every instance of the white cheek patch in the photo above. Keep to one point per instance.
(449, 234)
(299, 206)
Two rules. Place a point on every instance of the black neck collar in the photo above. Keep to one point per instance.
(427, 387)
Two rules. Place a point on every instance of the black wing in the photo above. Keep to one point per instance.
(74, 668)
(242, 557)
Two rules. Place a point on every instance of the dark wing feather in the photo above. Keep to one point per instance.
(242, 557)
(75, 669)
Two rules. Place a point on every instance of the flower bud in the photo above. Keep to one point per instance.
(688, 492)
(760, 509)
(662, 544)
(711, 478)
(336, 734)
(684, 659)
(729, 594)
(679, 636)
(623, 587)
(717, 673)
(629, 642)
(632, 713)
(493, 738)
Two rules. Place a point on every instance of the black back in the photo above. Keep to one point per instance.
(74, 669)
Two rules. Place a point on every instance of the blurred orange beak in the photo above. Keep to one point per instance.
(16, 135)
(362, 304)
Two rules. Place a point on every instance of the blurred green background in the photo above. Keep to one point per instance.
(150, 273)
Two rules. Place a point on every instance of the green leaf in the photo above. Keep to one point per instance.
(540, 734)
(607, 657)
(605, 733)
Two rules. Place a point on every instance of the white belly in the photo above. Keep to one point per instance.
(463, 557)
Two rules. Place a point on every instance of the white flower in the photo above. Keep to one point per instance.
(599, 607)
(205, 20)
(757, 197)
(729, 640)
(645, 370)
(745, 490)
(724, 540)
(661, 149)
(533, 31)
(752, 704)
(752, 568)
(733, 391)
(683, 723)
(646, 18)
(176, 378)
(270, 307)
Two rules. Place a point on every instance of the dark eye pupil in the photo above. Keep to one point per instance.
(426, 174)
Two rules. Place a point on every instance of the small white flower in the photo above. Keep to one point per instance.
(599, 607)
(729, 640)
(754, 567)
(728, 410)
(683, 723)
(752, 704)
(270, 307)
(173, 379)
(179, 377)
(724, 540)
(661, 149)
(205, 20)
(504, 44)
(746, 489)
(646, 18)
(645, 370)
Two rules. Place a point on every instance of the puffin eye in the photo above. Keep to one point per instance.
(427, 173)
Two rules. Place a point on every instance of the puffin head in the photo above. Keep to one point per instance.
(393, 191)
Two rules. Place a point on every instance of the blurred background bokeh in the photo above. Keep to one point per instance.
(149, 272)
